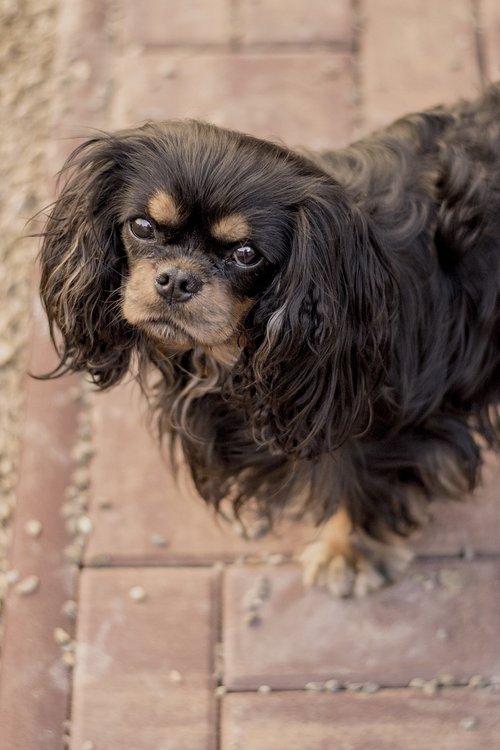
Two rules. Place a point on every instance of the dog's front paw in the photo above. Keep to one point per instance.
(343, 575)
(349, 563)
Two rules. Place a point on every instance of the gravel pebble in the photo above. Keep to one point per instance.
(469, 723)
(82, 452)
(315, 687)
(417, 682)
(7, 351)
(68, 659)
(478, 681)
(333, 686)
(431, 687)
(175, 677)
(61, 636)
(5, 511)
(276, 559)
(33, 528)
(446, 680)
(12, 576)
(70, 609)
(354, 687)
(371, 687)
(158, 540)
(263, 587)
(252, 619)
(28, 585)
(137, 594)
(264, 689)
(84, 525)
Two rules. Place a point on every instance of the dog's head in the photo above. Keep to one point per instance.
(187, 236)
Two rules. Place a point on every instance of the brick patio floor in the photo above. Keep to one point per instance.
(160, 653)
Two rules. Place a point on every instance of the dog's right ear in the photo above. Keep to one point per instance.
(83, 263)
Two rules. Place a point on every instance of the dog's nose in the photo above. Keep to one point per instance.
(177, 284)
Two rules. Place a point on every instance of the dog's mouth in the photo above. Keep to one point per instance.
(168, 332)
(172, 338)
(179, 334)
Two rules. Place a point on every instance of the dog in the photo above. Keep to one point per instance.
(324, 328)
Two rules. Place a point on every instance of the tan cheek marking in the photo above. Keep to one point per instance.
(163, 208)
(139, 291)
(232, 228)
(218, 313)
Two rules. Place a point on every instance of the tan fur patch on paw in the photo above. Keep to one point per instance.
(350, 564)
(342, 576)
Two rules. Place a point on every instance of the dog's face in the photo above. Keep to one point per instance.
(188, 284)
(184, 236)
(206, 217)
(198, 252)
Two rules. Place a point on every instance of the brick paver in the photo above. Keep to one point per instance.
(144, 673)
(192, 22)
(391, 720)
(34, 683)
(428, 624)
(280, 91)
(316, 74)
(295, 22)
(416, 53)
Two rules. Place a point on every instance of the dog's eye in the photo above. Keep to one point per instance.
(142, 228)
(246, 256)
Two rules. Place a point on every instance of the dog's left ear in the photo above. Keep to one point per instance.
(82, 265)
(326, 329)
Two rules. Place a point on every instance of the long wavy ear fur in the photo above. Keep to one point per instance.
(82, 263)
(326, 331)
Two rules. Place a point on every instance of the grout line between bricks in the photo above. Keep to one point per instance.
(346, 691)
(217, 654)
(71, 670)
(480, 50)
(235, 47)
(479, 557)
(356, 46)
(235, 25)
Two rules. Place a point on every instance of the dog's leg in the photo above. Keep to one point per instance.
(347, 562)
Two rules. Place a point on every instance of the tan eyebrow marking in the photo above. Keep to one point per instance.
(231, 228)
(163, 208)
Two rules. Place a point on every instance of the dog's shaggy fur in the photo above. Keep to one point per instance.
(326, 326)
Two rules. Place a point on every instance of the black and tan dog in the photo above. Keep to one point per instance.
(326, 327)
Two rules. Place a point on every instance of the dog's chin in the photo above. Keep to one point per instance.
(172, 336)
(168, 334)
